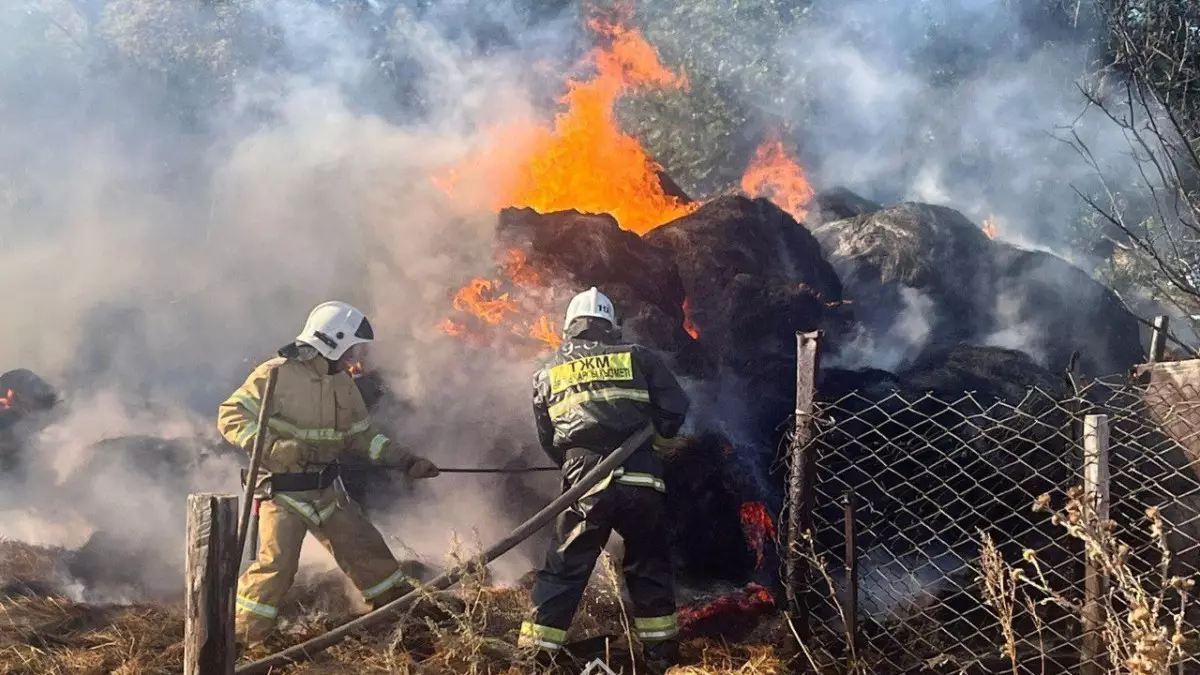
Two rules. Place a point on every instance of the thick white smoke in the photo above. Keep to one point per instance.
(154, 262)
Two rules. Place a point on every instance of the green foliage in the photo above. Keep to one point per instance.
(198, 48)
(704, 136)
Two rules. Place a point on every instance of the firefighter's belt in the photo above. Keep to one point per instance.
(300, 482)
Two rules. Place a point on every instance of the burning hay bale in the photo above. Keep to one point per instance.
(25, 403)
(929, 268)
(734, 251)
(572, 251)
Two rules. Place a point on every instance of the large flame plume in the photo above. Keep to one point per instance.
(583, 161)
(774, 174)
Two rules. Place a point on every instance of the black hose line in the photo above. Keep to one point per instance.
(306, 650)
(521, 469)
(396, 467)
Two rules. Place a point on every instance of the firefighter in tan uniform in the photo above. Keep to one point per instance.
(318, 417)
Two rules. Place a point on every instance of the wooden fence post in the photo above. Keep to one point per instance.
(1158, 338)
(800, 482)
(209, 646)
(1096, 501)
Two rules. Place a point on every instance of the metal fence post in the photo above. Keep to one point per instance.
(211, 572)
(1096, 502)
(1158, 338)
(851, 607)
(801, 478)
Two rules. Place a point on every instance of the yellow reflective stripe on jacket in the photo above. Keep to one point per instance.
(302, 434)
(628, 478)
(308, 511)
(247, 434)
(656, 627)
(639, 480)
(248, 605)
(383, 586)
(245, 400)
(533, 634)
(377, 445)
(561, 408)
(291, 430)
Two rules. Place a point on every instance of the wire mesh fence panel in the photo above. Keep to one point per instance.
(937, 477)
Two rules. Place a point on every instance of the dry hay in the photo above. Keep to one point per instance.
(472, 630)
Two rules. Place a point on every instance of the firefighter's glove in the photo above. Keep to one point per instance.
(670, 446)
(422, 468)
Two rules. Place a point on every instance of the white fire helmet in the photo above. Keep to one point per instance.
(334, 327)
(591, 303)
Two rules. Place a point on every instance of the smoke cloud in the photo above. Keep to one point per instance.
(965, 103)
(159, 249)
(170, 213)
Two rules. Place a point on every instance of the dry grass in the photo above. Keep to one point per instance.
(472, 630)
(1144, 628)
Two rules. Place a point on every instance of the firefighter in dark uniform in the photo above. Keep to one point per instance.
(591, 395)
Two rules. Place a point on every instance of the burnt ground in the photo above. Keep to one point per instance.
(470, 630)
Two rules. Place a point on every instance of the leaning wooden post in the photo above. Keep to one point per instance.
(800, 482)
(209, 646)
(1096, 500)
(1158, 338)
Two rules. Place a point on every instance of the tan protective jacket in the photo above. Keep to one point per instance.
(317, 418)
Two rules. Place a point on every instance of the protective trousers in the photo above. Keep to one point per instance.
(638, 514)
(340, 525)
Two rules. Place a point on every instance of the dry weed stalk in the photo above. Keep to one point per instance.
(610, 573)
(465, 644)
(1143, 636)
(1000, 593)
(808, 552)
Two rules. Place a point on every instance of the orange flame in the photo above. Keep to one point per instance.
(758, 527)
(475, 298)
(483, 300)
(775, 175)
(542, 330)
(688, 324)
(585, 162)
(989, 227)
(517, 268)
(751, 598)
(356, 369)
(8, 399)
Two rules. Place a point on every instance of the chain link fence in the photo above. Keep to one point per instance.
(935, 477)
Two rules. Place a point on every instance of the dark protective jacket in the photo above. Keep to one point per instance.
(591, 395)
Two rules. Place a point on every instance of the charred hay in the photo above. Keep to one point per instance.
(979, 290)
(837, 204)
(752, 275)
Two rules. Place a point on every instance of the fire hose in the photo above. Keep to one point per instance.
(519, 469)
(306, 650)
